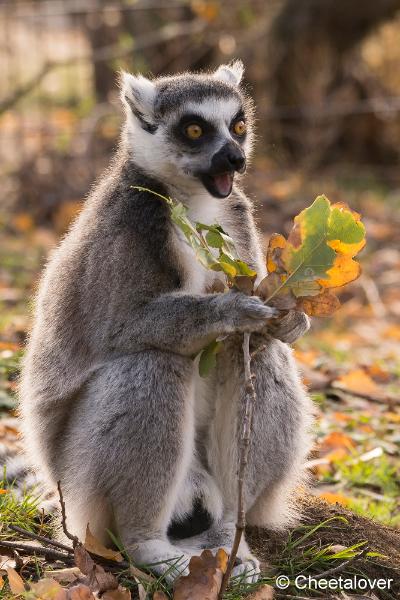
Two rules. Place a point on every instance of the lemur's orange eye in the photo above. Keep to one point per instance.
(240, 127)
(194, 131)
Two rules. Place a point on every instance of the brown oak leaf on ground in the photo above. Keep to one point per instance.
(205, 577)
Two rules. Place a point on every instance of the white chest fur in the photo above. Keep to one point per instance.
(203, 208)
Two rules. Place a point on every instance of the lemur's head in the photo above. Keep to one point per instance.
(190, 130)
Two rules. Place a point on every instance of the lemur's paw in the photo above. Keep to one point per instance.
(247, 313)
(247, 571)
(289, 328)
(162, 558)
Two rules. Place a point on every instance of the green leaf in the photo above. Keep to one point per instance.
(317, 255)
(214, 239)
(244, 269)
(343, 227)
(208, 358)
(312, 258)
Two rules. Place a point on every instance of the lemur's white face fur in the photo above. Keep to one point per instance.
(189, 131)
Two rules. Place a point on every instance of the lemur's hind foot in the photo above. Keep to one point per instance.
(162, 558)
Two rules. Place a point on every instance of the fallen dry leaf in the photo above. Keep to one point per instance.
(48, 589)
(334, 498)
(360, 382)
(95, 546)
(5, 563)
(307, 357)
(392, 417)
(23, 222)
(343, 417)
(336, 440)
(1, 582)
(265, 592)
(80, 592)
(68, 575)
(322, 305)
(205, 577)
(121, 593)
(393, 331)
(160, 596)
(15, 581)
(98, 579)
(378, 373)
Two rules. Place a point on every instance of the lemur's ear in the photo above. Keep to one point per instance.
(231, 73)
(138, 94)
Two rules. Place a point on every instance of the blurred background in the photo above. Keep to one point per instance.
(325, 75)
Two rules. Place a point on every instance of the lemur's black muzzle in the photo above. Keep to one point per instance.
(229, 158)
(219, 179)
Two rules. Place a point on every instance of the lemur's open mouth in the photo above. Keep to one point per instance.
(219, 185)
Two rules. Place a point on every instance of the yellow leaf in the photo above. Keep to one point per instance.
(393, 332)
(335, 498)
(15, 581)
(336, 455)
(9, 346)
(228, 269)
(344, 270)
(335, 440)
(205, 10)
(346, 249)
(221, 560)
(1, 582)
(392, 417)
(23, 222)
(276, 241)
(2, 492)
(92, 544)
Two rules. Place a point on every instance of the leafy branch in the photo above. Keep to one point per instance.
(302, 271)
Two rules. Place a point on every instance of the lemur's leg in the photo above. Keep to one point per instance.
(279, 437)
(127, 451)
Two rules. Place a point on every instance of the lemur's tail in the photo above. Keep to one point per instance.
(16, 474)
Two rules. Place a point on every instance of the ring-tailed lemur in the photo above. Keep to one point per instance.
(111, 401)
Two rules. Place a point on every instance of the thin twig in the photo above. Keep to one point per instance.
(112, 566)
(258, 351)
(73, 538)
(30, 549)
(249, 400)
(41, 538)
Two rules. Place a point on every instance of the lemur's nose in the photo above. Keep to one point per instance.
(236, 159)
(229, 158)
